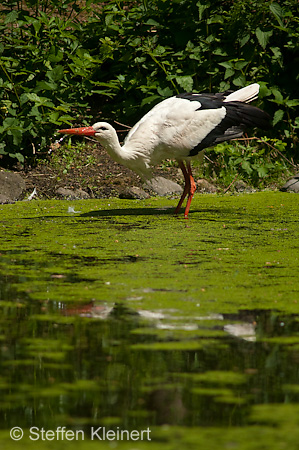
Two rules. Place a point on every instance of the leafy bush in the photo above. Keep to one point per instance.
(45, 77)
(257, 161)
(160, 48)
(66, 61)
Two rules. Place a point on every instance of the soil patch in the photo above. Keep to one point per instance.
(87, 167)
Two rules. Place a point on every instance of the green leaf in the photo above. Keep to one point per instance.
(109, 19)
(159, 50)
(35, 113)
(215, 19)
(240, 64)
(292, 103)
(9, 123)
(240, 81)
(46, 86)
(18, 156)
(201, 9)
(244, 40)
(152, 23)
(55, 54)
(262, 171)
(278, 96)
(16, 135)
(229, 73)
(246, 166)
(55, 74)
(11, 17)
(226, 64)
(186, 82)
(166, 92)
(263, 37)
(150, 100)
(220, 52)
(278, 116)
(276, 52)
(2, 147)
(277, 11)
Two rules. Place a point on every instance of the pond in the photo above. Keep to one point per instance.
(123, 326)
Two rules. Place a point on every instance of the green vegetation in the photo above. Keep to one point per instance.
(259, 162)
(122, 315)
(72, 62)
(111, 250)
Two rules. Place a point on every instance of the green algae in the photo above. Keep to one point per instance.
(122, 313)
(233, 252)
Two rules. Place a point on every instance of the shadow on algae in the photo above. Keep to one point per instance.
(123, 326)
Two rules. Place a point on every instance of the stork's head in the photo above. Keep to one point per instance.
(102, 131)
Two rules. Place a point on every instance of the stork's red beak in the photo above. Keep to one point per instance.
(84, 131)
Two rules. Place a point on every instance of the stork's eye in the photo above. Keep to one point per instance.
(103, 128)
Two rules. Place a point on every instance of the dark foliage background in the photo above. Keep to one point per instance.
(72, 62)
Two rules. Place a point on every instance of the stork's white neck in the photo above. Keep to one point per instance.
(132, 156)
(113, 147)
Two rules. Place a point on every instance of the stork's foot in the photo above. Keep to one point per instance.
(192, 189)
(185, 192)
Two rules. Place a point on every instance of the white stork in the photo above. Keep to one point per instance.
(180, 128)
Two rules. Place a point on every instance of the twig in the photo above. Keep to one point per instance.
(92, 140)
(245, 139)
(231, 184)
(281, 154)
(269, 145)
(122, 124)
(211, 161)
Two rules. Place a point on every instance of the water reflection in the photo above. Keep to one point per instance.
(103, 364)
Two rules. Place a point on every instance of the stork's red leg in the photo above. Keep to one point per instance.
(189, 188)
(192, 189)
(186, 187)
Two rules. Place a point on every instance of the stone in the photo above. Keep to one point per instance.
(72, 194)
(241, 186)
(292, 185)
(163, 186)
(12, 186)
(134, 192)
(64, 192)
(80, 194)
(4, 199)
(206, 187)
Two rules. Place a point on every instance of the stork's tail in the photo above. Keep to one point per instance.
(245, 95)
(247, 115)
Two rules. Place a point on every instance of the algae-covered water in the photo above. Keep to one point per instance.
(118, 317)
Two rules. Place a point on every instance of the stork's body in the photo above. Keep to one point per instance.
(180, 128)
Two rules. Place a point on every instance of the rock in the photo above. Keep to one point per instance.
(162, 186)
(64, 192)
(80, 194)
(241, 186)
(291, 185)
(12, 185)
(4, 200)
(206, 187)
(134, 192)
(72, 194)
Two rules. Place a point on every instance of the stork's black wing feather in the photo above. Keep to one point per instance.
(238, 118)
